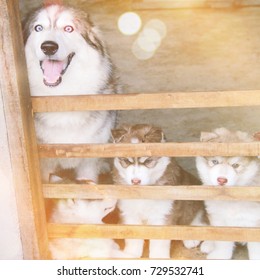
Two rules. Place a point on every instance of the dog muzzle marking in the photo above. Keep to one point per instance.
(54, 69)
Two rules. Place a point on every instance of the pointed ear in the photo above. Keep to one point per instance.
(118, 134)
(89, 32)
(71, 202)
(55, 179)
(208, 136)
(155, 135)
(109, 205)
(257, 136)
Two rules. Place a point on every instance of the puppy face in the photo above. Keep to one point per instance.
(139, 171)
(142, 170)
(227, 171)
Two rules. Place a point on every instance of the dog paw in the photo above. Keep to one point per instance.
(207, 246)
(189, 244)
(159, 255)
(219, 255)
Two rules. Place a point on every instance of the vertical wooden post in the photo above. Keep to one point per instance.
(20, 134)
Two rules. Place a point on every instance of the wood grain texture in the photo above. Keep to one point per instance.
(21, 136)
(154, 232)
(139, 101)
(19, 110)
(151, 192)
(149, 149)
(180, 4)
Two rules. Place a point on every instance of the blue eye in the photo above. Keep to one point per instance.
(235, 165)
(38, 28)
(68, 28)
(215, 162)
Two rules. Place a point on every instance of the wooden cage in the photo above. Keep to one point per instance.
(180, 4)
(19, 108)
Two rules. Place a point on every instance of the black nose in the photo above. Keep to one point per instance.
(49, 47)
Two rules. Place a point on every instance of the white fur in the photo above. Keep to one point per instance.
(88, 69)
(230, 213)
(197, 221)
(245, 173)
(148, 176)
(83, 212)
(149, 212)
(87, 73)
(146, 212)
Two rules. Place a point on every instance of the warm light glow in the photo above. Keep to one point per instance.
(129, 23)
(141, 53)
(149, 39)
(157, 25)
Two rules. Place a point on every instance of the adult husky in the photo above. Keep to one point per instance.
(66, 56)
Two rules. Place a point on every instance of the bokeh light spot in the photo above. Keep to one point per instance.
(129, 23)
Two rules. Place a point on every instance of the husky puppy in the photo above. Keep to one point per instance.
(147, 171)
(228, 172)
(81, 211)
(66, 56)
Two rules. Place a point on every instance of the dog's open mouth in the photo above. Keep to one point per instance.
(54, 69)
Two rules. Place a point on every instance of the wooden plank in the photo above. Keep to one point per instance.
(180, 4)
(138, 101)
(174, 4)
(151, 192)
(148, 149)
(21, 137)
(154, 232)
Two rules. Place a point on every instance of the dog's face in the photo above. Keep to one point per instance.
(88, 211)
(142, 170)
(56, 35)
(81, 210)
(227, 171)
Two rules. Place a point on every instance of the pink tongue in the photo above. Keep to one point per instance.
(52, 70)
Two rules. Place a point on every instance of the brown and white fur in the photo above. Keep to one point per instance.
(81, 211)
(146, 171)
(228, 172)
(66, 56)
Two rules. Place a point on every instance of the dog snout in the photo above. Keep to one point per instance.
(49, 47)
(222, 180)
(136, 181)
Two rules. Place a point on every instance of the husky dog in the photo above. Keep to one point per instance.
(228, 172)
(81, 211)
(147, 171)
(66, 56)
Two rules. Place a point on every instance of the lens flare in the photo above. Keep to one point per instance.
(129, 23)
(140, 53)
(149, 39)
(157, 25)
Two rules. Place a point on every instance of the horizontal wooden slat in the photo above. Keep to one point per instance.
(149, 149)
(151, 192)
(154, 232)
(180, 4)
(147, 101)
